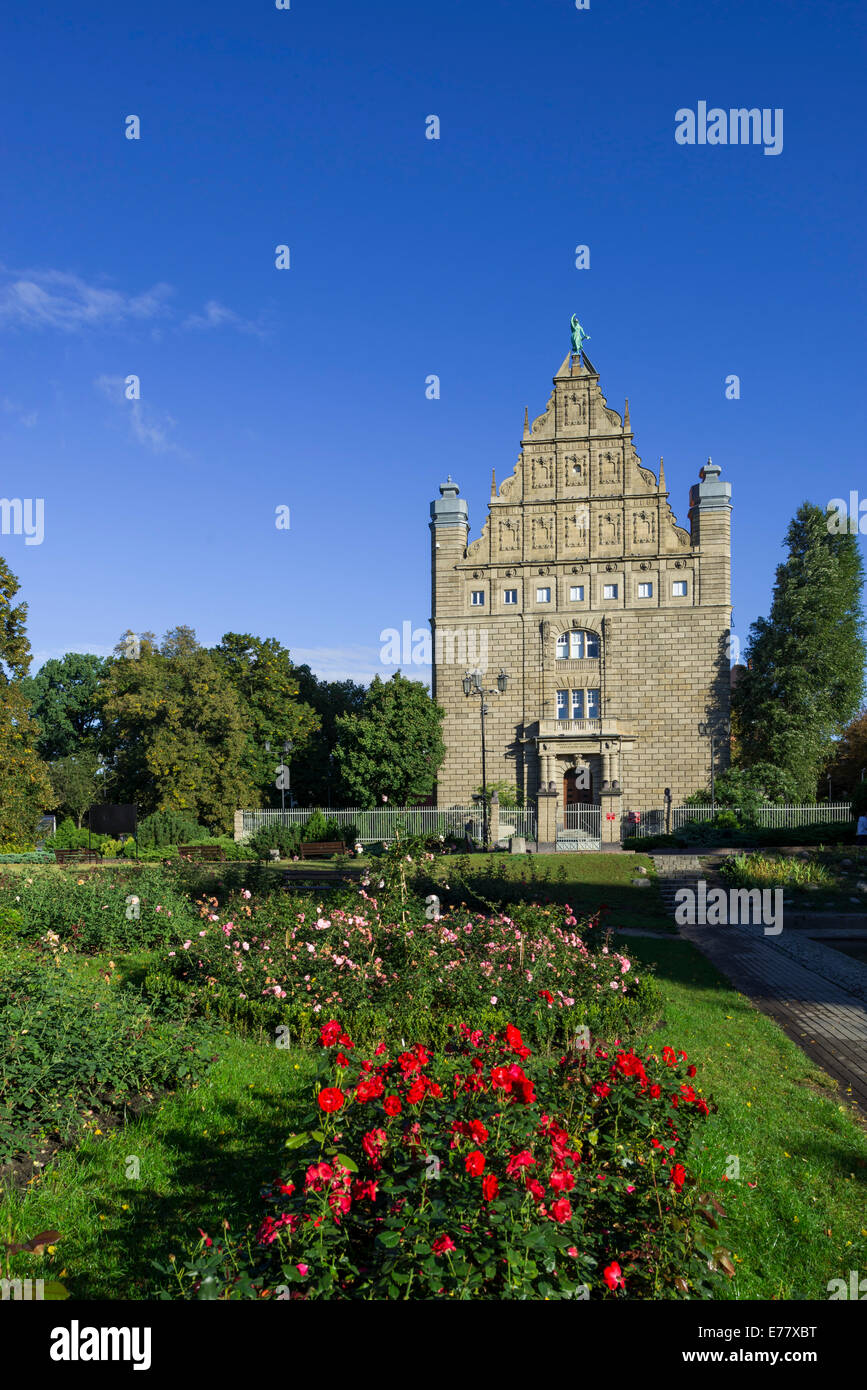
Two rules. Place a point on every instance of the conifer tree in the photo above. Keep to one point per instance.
(805, 676)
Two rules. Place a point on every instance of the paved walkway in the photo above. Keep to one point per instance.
(815, 993)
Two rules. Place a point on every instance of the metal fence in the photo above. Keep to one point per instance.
(768, 817)
(377, 824)
(581, 829)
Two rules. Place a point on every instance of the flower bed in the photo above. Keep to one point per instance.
(481, 1172)
(393, 977)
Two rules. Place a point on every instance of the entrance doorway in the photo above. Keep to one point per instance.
(577, 793)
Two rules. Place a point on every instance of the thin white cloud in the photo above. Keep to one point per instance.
(216, 315)
(27, 418)
(62, 300)
(147, 427)
(58, 299)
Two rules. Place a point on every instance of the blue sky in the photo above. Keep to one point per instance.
(306, 387)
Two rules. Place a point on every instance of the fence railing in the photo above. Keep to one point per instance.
(768, 817)
(378, 823)
(580, 828)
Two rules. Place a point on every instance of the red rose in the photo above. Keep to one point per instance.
(668, 1056)
(331, 1033)
(478, 1132)
(524, 1159)
(602, 1088)
(561, 1180)
(416, 1092)
(474, 1162)
(374, 1142)
(691, 1071)
(331, 1099)
(678, 1176)
(613, 1276)
(442, 1245)
(490, 1186)
(656, 1090)
(561, 1210)
(392, 1105)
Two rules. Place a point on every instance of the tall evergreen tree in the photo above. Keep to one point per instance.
(805, 676)
(24, 787)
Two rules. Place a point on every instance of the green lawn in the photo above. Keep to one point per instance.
(585, 881)
(202, 1156)
(797, 1216)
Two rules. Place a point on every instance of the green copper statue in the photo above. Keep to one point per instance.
(579, 337)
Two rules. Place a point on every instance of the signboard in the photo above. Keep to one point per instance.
(112, 820)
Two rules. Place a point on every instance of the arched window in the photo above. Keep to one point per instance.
(577, 643)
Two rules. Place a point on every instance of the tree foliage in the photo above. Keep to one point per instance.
(76, 784)
(805, 676)
(394, 747)
(64, 695)
(849, 762)
(261, 673)
(316, 775)
(174, 733)
(24, 787)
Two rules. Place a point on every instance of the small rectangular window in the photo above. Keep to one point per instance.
(577, 704)
(645, 591)
(562, 704)
(543, 595)
(576, 593)
(678, 588)
(609, 590)
(477, 598)
(592, 704)
(510, 596)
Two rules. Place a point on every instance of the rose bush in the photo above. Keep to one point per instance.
(397, 976)
(483, 1172)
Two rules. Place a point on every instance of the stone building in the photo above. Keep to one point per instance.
(610, 620)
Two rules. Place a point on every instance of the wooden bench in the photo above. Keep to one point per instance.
(321, 849)
(76, 856)
(213, 853)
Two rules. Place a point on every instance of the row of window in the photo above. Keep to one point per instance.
(577, 704)
(679, 589)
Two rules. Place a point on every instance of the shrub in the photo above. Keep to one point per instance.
(169, 828)
(69, 836)
(291, 961)
(285, 838)
(33, 856)
(316, 828)
(483, 1173)
(72, 1040)
(107, 909)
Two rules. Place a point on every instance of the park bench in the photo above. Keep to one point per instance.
(76, 856)
(213, 853)
(321, 849)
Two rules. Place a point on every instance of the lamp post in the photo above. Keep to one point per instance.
(283, 775)
(473, 685)
(706, 731)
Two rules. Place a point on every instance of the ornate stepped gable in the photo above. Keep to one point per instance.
(579, 490)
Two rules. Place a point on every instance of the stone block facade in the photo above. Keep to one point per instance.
(610, 620)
